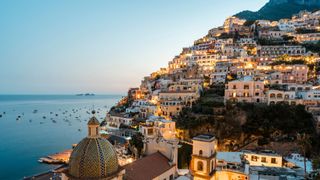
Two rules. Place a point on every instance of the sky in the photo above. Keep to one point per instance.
(99, 46)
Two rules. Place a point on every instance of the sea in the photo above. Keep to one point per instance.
(34, 126)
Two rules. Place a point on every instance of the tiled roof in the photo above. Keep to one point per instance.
(148, 167)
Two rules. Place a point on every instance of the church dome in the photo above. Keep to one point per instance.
(93, 158)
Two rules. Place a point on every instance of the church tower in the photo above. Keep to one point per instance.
(203, 163)
(93, 126)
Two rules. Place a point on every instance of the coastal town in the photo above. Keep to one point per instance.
(190, 120)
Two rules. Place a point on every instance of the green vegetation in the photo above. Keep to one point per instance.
(292, 62)
(313, 47)
(184, 156)
(137, 142)
(249, 23)
(277, 87)
(269, 42)
(305, 145)
(264, 120)
(287, 38)
(316, 162)
(274, 123)
(226, 36)
(317, 65)
(306, 31)
(275, 11)
(209, 99)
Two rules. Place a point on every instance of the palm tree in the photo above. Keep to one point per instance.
(304, 143)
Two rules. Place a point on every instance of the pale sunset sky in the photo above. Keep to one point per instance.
(99, 46)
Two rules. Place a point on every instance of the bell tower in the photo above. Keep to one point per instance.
(203, 163)
(93, 126)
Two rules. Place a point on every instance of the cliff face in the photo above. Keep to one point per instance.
(279, 9)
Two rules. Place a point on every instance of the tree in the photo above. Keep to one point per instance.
(316, 163)
(304, 143)
(137, 142)
(248, 23)
(287, 38)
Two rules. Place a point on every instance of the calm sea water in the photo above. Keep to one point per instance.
(24, 141)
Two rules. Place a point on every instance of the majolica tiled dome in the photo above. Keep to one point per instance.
(93, 158)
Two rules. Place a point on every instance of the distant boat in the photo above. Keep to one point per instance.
(35, 111)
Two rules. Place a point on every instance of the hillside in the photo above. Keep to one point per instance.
(247, 126)
(278, 10)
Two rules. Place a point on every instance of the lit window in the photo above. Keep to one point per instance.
(200, 166)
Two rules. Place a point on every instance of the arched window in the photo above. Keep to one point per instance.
(279, 96)
(200, 166)
(200, 152)
(272, 95)
(212, 165)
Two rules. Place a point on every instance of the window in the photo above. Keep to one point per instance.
(279, 96)
(200, 152)
(212, 165)
(246, 87)
(263, 159)
(171, 177)
(234, 94)
(150, 131)
(200, 166)
(254, 158)
(273, 161)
